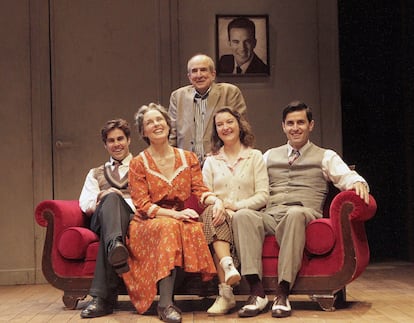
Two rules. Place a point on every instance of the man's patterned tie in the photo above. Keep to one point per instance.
(115, 171)
(293, 156)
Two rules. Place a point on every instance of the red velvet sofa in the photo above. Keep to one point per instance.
(336, 252)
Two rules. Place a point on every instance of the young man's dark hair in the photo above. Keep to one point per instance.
(297, 106)
(115, 124)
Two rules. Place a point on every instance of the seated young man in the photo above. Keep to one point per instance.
(299, 172)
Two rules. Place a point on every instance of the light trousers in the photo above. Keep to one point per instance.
(287, 223)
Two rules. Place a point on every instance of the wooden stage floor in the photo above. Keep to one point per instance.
(384, 293)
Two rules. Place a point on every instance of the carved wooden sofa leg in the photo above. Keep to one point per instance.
(74, 290)
(330, 302)
(72, 297)
(326, 302)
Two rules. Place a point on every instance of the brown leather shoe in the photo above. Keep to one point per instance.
(97, 307)
(169, 314)
(118, 257)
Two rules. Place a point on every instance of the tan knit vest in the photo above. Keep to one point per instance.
(303, 181)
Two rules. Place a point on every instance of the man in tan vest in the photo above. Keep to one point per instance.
(299, 172)
(106, 199)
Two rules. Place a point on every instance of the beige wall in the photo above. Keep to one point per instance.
(17, 261)
(304, 65)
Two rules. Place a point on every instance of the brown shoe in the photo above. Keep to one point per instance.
(169, 314)
(97, 307)
(118, 257)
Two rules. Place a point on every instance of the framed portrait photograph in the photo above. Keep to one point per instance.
(242, 45)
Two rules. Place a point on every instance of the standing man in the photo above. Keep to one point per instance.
(241, 32)
(192, 107)
(298, 177)
(105, 198)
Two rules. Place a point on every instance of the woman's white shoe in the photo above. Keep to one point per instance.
(226, 291)
(221, 306)
(231, 274)
(225, 301)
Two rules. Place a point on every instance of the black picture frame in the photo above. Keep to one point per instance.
(226, 50)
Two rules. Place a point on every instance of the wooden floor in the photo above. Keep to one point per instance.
(384, 293)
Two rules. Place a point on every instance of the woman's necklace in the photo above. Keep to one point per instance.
(232, 157)
(161, 160)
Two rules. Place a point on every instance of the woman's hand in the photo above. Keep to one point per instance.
(230, 212)
(228, 204)
(219, 213)
(186, 215)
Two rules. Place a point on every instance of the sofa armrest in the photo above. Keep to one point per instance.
(66, 213)
(360, 211)
(348, 213)
(56, 216)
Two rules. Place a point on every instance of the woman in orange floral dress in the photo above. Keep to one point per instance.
(163, 235)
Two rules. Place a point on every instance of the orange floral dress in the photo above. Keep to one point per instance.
(158, 244)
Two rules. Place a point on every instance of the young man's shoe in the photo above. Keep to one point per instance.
(281, 307)
(97, 307)
(253, 306)
(118, 256)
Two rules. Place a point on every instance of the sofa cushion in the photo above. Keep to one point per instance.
(74, 241)
(320, 238)
(270, 247)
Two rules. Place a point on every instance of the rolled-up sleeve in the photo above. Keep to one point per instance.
(89, 194)
(338, 172)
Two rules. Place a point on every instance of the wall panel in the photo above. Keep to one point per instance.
(16, 220)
